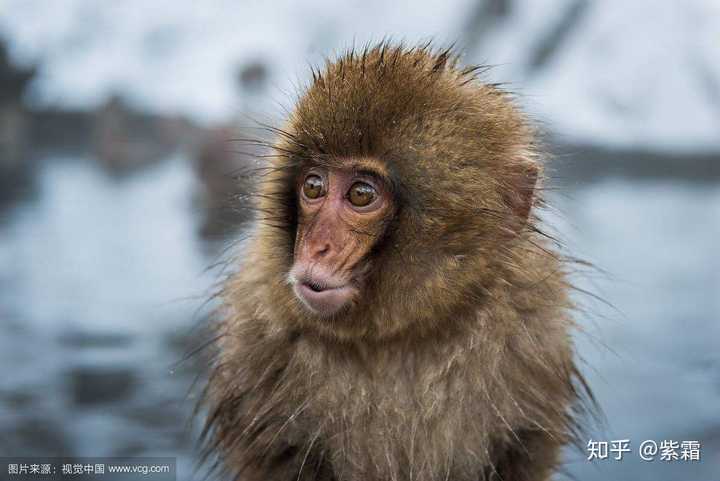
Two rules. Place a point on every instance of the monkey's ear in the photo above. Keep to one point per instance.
(520, 190)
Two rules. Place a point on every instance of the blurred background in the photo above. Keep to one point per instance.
(116, 162)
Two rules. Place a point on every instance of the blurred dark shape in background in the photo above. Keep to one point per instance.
(124, 139)
(557, 35)
(111, 212)
(226, 161)
(225, 164)
(482, 18)
(488, 14)
(14, 169)
(253, 77)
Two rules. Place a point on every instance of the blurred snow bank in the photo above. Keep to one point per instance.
(641, 74)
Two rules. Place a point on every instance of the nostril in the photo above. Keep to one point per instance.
(324, 250)
(314, 286)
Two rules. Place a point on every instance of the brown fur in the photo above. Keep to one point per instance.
(457, 363)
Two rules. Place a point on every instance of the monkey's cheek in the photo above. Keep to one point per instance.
(327, 302)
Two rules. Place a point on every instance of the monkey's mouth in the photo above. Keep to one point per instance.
(324, 298)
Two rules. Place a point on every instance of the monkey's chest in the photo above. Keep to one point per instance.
(396, 426)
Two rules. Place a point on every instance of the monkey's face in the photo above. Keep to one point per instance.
(342, 213)
(397, 186)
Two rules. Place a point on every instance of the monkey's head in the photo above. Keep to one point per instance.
(398, 183)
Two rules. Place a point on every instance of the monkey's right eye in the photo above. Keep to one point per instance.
(313, 187)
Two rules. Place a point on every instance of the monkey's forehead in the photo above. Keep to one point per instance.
(394, 102)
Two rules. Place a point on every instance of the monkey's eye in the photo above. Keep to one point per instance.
(313, 187)
(361, 194)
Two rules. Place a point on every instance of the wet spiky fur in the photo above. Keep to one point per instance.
(457, 363)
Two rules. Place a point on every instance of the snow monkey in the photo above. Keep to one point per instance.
(398, 314)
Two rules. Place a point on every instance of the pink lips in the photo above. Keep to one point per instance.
(323, 298)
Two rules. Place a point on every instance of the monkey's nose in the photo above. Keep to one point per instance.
(315, 286)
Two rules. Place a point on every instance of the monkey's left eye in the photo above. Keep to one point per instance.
(313, 187)
(361, 194)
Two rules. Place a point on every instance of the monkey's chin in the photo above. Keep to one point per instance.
(325, 302)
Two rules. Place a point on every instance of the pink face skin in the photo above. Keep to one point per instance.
(340, 218)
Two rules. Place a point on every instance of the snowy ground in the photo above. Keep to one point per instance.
(641, 74)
